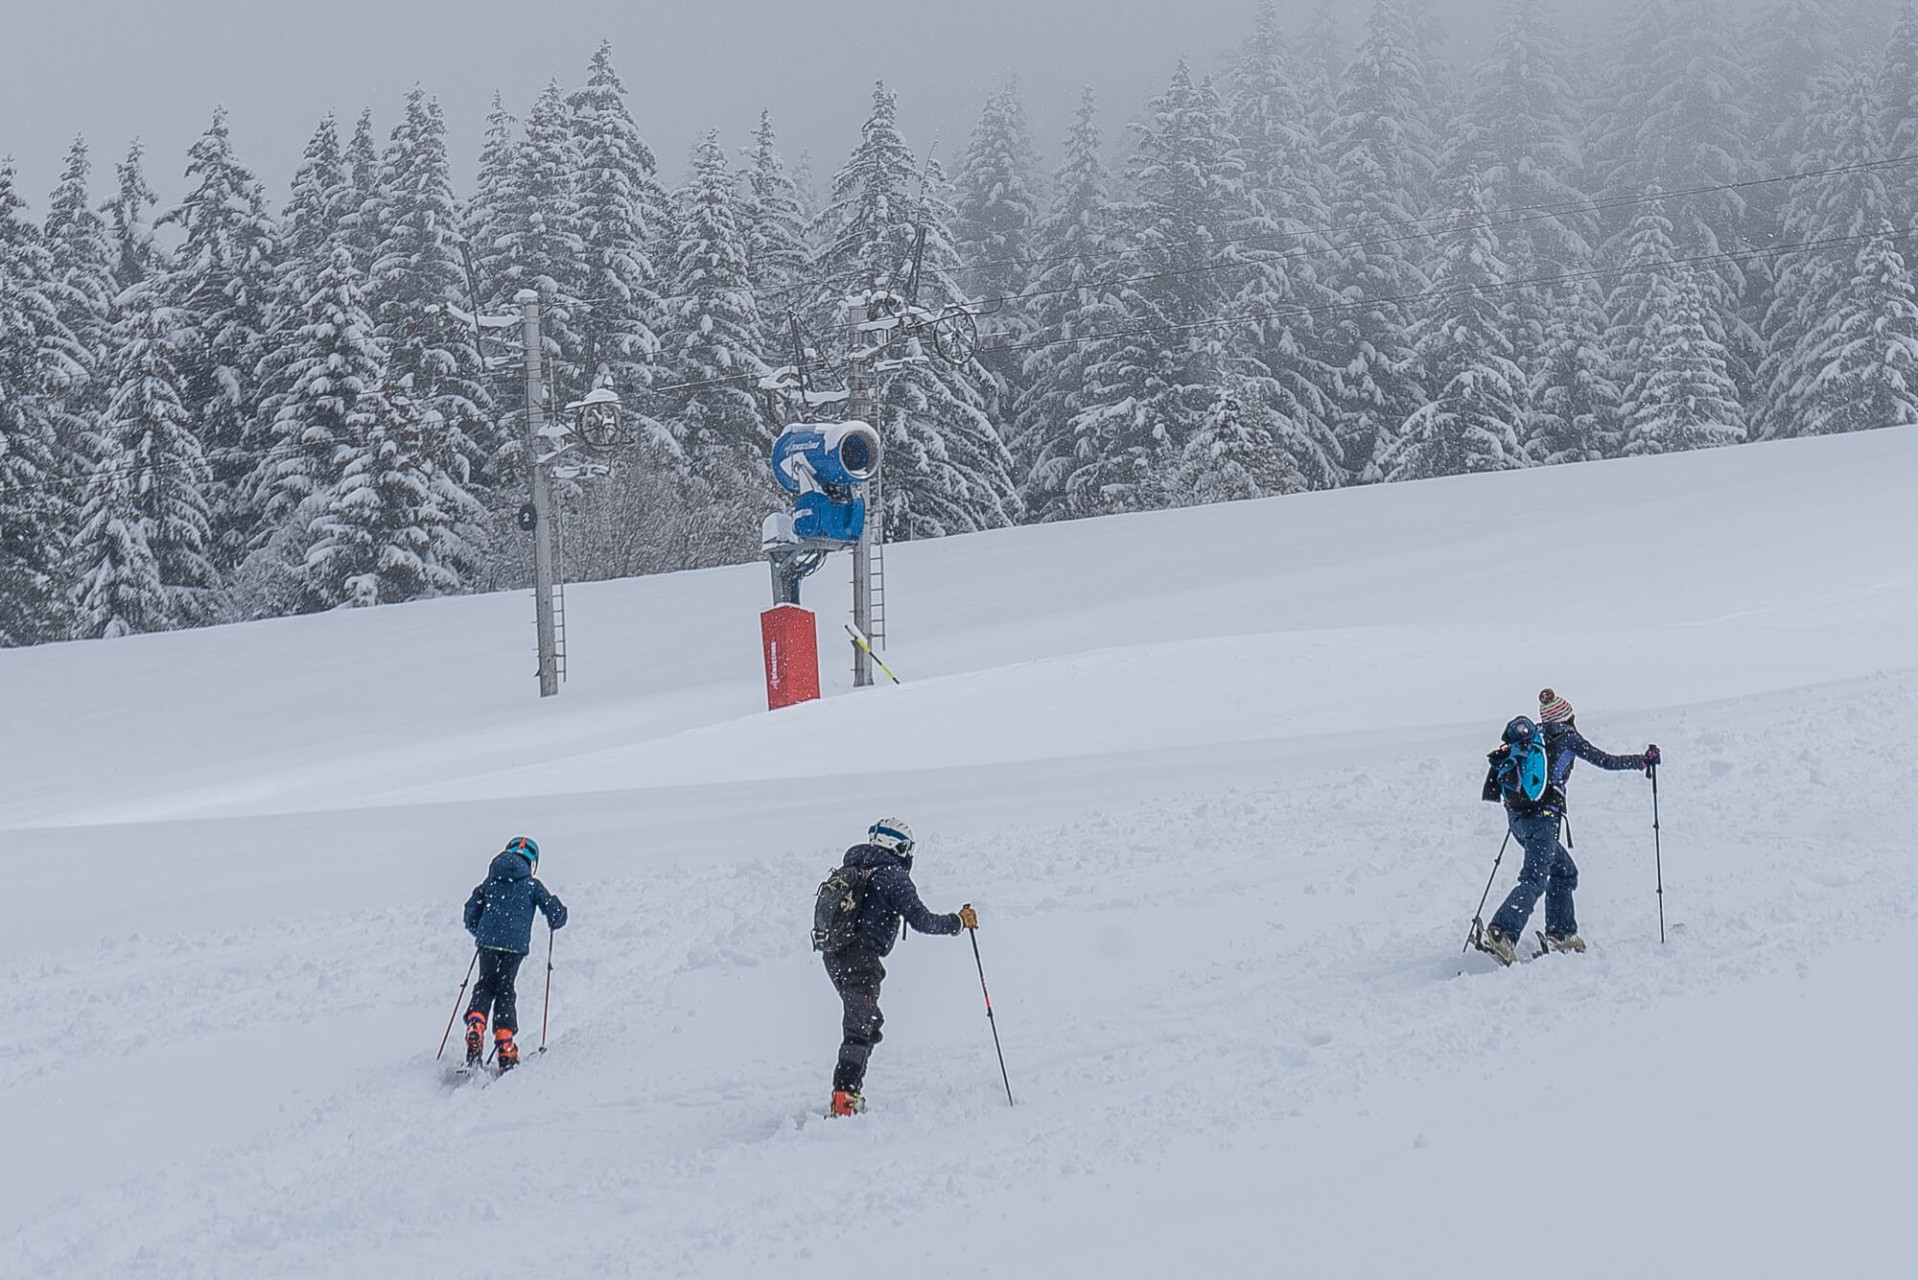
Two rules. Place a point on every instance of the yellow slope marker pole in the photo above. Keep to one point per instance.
(859, 638)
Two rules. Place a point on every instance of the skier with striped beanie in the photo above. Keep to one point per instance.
(1536, 822)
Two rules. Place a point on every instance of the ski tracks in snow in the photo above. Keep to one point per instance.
(1229, 970)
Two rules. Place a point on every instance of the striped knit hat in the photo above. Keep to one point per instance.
(1553, 709)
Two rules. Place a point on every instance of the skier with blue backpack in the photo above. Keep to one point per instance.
(1528, 775)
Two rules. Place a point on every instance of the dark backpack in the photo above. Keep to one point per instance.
(835, 908)
(1520, 768)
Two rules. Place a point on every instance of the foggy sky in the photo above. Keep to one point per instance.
(111, 69)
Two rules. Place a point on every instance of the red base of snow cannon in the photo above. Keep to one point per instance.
(791, 639)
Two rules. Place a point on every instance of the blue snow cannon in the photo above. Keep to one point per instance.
(825, 468)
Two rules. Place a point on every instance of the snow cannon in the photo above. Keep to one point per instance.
(825, 468)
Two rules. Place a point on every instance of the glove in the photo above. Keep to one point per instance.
(968, 918)
(1652, 758)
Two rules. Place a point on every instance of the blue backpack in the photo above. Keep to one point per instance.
(1521, 767)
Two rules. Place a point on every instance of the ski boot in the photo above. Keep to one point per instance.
(847, 1103)
(475, 1037)
(1493, 942)
(1568, 942)
(508, 1051)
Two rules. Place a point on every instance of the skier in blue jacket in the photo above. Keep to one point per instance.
(499, 915)
(856, 969)
(1549, 869)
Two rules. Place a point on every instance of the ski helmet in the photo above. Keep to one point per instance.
(890, 834)
(1520, 730)
(526, 847)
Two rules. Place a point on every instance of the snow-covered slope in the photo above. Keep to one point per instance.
(1211, 777)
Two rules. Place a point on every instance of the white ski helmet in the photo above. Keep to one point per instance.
(891, 835)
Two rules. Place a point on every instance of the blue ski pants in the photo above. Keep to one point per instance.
(1548, 870)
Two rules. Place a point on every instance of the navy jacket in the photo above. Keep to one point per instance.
(1565, 746)
(891, 896)
(499, 914)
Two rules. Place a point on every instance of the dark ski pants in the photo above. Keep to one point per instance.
(494, 990)
(1548, 870)
(856, 975)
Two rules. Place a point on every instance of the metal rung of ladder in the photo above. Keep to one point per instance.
(559, 597)
(878, 636)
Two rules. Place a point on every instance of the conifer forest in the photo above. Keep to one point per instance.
(1329, 257)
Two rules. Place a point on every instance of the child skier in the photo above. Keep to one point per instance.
(499, 915)
(875, 885)
(1548, 869)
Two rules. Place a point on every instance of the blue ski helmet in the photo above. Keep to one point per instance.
(526, 847)
(1521, 730)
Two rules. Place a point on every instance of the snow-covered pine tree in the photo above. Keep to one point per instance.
(1321, 63)
(1575, 394)
(1681, 120)
(1471, 423)
(1277, 149)
(1071, 304)
(142, 552)
(710, 399)
(1238, 450)
(1640, 300)
(776, 252)
(417, 282)
(319, 217)
(80, 285)
(136, 257)
(1283, 247)
(542, 247)
(1861, 366)
(320, 208)
(364, 198)
(620, 217)
(489, 214)
(395, 526)
(1826, 220)
(1799, 43)
(1155, 376)
(219, 290)
(334, 372)
(1518, 136)
(947, 468)
(1689, 401)
(33, 508)
(1384, 153)
(997, 208)
(1898, 100)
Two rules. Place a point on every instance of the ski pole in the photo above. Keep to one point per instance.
(1478, 917)
(548, 1006)
(992, 1021)
(458, 1001)
(1658, 857)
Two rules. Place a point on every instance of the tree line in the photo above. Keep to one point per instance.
(1324, 264)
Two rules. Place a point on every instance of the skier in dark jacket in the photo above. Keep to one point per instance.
(855, 969)
(499, 915)
(1535, 824)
